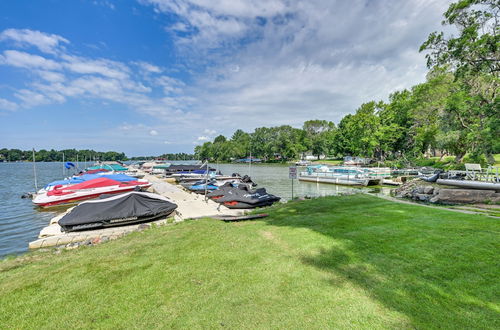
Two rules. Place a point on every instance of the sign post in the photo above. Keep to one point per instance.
(292, 174)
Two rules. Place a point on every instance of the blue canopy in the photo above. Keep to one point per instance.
(86, 177)
(69, 165)
(119, 177)
(73, 180)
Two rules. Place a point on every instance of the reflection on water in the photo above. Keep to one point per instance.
(20, 221)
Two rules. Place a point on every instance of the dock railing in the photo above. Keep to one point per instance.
(474, 172)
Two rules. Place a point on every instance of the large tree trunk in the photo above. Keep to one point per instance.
(489, 158)
(459, 157)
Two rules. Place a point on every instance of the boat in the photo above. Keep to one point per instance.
(248, 160)
(303, 162)
(124, 209)
(160, 168)
(86, 177)
(351, 176)
(348, 160)
(181, 179)
(111, 167)
(86, 190)
(470, 184)
(201, 187)
(243, 197)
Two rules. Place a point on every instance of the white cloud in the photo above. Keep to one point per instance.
(148, 67)
(167, 142)
(210, 131)
(203, 138)
(153, 132)
(8, 105)
(45, 42)
(284, 62)
(107, 68)
(26, 60)
(51, 76)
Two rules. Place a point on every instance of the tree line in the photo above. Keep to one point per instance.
(455, 112)
(167, 156)
(52, 155)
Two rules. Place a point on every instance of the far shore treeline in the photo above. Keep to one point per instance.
(42, 155)
(455, 112)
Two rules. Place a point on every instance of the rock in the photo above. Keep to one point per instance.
(104, 239)
(96, 240)
(420, 190)
(422, 197)
(143, 226)
(464, 196)
(436, 191)
(428, 190)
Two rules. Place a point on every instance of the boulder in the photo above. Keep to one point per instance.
(422, 197)
(464, 196)
(428, 190)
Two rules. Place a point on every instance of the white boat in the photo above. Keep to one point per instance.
(340, 176)
(338, 179)
(303, 163)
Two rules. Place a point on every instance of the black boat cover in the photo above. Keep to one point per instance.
(117, 210)
(245, 195)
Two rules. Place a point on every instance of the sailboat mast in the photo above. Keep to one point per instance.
(34, 170)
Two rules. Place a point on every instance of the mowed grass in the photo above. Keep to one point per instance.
(336, 262)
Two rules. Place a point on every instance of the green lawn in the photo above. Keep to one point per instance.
(336, 262)
(329, 161)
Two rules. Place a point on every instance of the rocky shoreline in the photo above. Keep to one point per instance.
(419, 190)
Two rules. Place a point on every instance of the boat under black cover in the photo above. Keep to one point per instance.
(187, 168)
(118, 210)
(242, 197)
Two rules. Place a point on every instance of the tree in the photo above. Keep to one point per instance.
(476, 48)
(474, 58)
(318, 136)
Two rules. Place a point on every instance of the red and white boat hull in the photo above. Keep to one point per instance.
(68, 195)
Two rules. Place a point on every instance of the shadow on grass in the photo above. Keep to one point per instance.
(438, 268)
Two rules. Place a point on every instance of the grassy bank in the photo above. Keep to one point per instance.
(344, 262)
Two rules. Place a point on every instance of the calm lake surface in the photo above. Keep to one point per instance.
(21, 221)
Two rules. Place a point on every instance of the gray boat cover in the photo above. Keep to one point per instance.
(117, 210)
(248, 196)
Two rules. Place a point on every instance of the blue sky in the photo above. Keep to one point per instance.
(153, 76)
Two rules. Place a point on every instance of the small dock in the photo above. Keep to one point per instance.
(189, 206)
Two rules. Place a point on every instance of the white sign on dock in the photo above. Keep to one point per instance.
(292, 172)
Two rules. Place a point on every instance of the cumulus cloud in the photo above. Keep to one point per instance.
(27, 61)
(284, 62)
(45, 42)
(153, 132)
(63, 75)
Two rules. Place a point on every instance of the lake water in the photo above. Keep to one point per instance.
(21, 221)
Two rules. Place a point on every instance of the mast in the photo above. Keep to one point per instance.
(34, 170)
(64, 172)
(206, 183)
